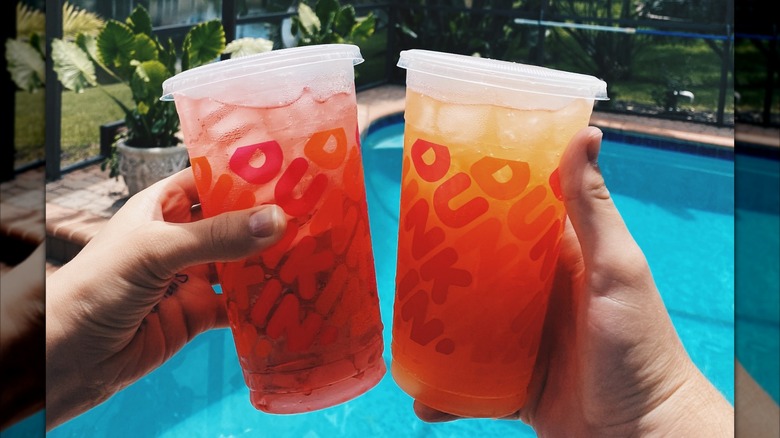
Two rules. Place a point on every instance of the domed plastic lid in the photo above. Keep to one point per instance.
(485, 72)
(261, 63)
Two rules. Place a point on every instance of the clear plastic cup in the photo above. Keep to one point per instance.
(481, 219)
(281, 127)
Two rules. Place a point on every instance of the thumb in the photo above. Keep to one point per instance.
(224, 237)
(607, 245)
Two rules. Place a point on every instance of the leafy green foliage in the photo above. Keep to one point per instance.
(117, 47)
(26, 64)
(134, 56)
(25, 54)
(131, 53)
(73, 66)
(140, 22)
(329, 22)
(450, 28)
(202, 44)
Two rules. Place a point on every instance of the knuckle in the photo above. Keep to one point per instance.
(597, 189)
(222, 236)
(153, 244)
(629, 269)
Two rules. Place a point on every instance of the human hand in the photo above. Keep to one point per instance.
(22, 338)
(610, 362)
(140, 290)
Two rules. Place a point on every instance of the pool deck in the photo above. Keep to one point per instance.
(78, 204)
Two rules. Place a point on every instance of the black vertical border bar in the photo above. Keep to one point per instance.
(727, 64)
(8, 149)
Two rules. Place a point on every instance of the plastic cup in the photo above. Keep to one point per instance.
(281, 127)
(481, 219)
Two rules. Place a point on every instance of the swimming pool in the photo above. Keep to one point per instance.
(679, 207)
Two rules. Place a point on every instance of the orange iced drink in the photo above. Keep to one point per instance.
(304, 313)
(480, 223)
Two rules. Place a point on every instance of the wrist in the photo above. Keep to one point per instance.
(68, 392)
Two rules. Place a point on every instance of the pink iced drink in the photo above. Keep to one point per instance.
(305, 313)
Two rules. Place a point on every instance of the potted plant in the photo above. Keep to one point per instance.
(149, 147)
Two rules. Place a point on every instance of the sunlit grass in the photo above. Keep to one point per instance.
(29, 126)
(82, 115)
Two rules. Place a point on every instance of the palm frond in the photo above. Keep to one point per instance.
(29, 21)
(76, 21)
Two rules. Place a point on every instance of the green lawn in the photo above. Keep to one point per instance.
(82, 115)
(29, 126)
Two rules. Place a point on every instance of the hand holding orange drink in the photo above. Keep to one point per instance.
(481, 219)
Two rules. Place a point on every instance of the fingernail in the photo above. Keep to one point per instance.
(265, 222)
(594, 145)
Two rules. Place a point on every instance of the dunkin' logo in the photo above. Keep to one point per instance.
(430, 269)
(292, 290)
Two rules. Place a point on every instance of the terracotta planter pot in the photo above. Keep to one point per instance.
(142, 167)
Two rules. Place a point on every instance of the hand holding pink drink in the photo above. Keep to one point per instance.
(281, 127)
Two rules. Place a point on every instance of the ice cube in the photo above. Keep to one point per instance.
(571, 119)
(463, 124)
(524, 130)
(422, 115)
(240, 126)
(196, 115)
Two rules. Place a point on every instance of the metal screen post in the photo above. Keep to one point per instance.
(108, 135)
(541, 32)
(726, 63)
(229, 22)
(391, 48)
(771, 69)
(53, 129)
(725, 67)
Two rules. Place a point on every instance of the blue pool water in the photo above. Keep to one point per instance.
(680, 208)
